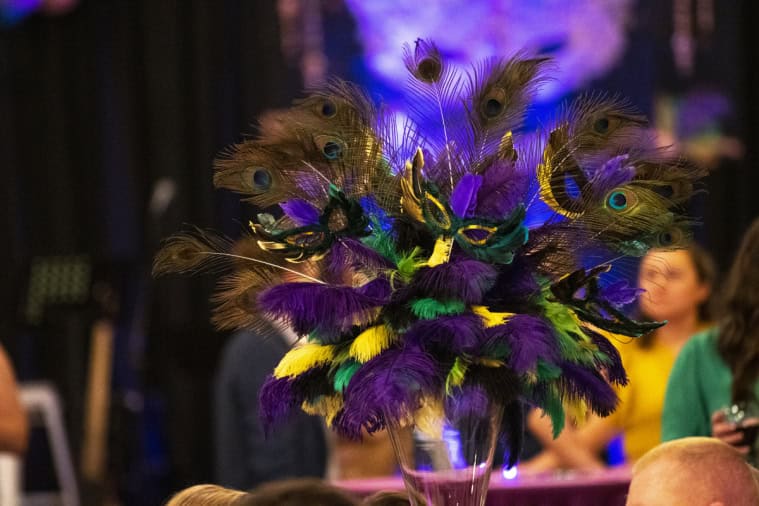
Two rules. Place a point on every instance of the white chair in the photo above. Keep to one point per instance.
(10, 479)
(42, 404)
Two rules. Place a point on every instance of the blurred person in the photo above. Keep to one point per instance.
(14, 426)
(245, 455)
(720, 367)
(206, 495)
(694, 470)
(678, 285)
(298, 492)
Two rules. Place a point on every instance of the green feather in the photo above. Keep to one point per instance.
(456, 375)
(344, 374)
(428, 308)
(555, 410)
(382, 242)
(573, 342)
(547, 372)
(409, 263)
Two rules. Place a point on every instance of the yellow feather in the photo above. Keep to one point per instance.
(371, 342)
(577, 410)
(327, 406)
(301, 359)
(429, 418)
(490, 318)
(490, 362)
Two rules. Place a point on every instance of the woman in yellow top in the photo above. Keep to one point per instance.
(677, 286)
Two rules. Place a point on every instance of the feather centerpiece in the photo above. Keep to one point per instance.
(432, 269)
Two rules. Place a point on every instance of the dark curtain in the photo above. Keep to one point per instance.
(110, 117)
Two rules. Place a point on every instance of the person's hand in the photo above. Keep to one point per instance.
(728, 432)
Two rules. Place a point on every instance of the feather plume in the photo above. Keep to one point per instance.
(191, 252)
(429, 308)
(458, 334)
(528, 338)
(469, 401)
(464, 196)
(390, 385)
(465, 280)
(588, 385)
(371, 343)
(456, 375)
(304, 358)
(327, 309)
(498, 95)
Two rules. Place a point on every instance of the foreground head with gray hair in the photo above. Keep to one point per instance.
(694, 471)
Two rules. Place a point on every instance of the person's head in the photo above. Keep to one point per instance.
(739, 323)
(296, 492)
(695, 471)
(677, 284)
(207, 495)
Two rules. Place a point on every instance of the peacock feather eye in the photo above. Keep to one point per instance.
(494, 103)
(429, 69)
(670, 237)
(617, 200)
(601, 125)
(332, 150)
(261, 178)
(329, 109)
(493, 108)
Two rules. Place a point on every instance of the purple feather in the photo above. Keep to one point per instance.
(620, 293)
(277, 400)
(515, 284)
(301, 212)
(578, 382)
(613, 173)
(468, 401)
(530, 338)
(460, 279)
(458, 334)
(504, 186)
(613, 366)
(327, 309)
(377, 289)
(463, 199)
(387, 388)
(349, 253)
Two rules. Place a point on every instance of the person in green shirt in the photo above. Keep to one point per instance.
(720, 367)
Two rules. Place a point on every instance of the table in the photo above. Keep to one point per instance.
(602, 488)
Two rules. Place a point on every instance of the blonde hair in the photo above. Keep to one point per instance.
(206, 495)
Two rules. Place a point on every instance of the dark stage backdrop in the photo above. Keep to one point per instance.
(110, 117)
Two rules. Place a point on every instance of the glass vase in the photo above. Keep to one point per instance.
(450, 466)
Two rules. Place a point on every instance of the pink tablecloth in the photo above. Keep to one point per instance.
(607, 488)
